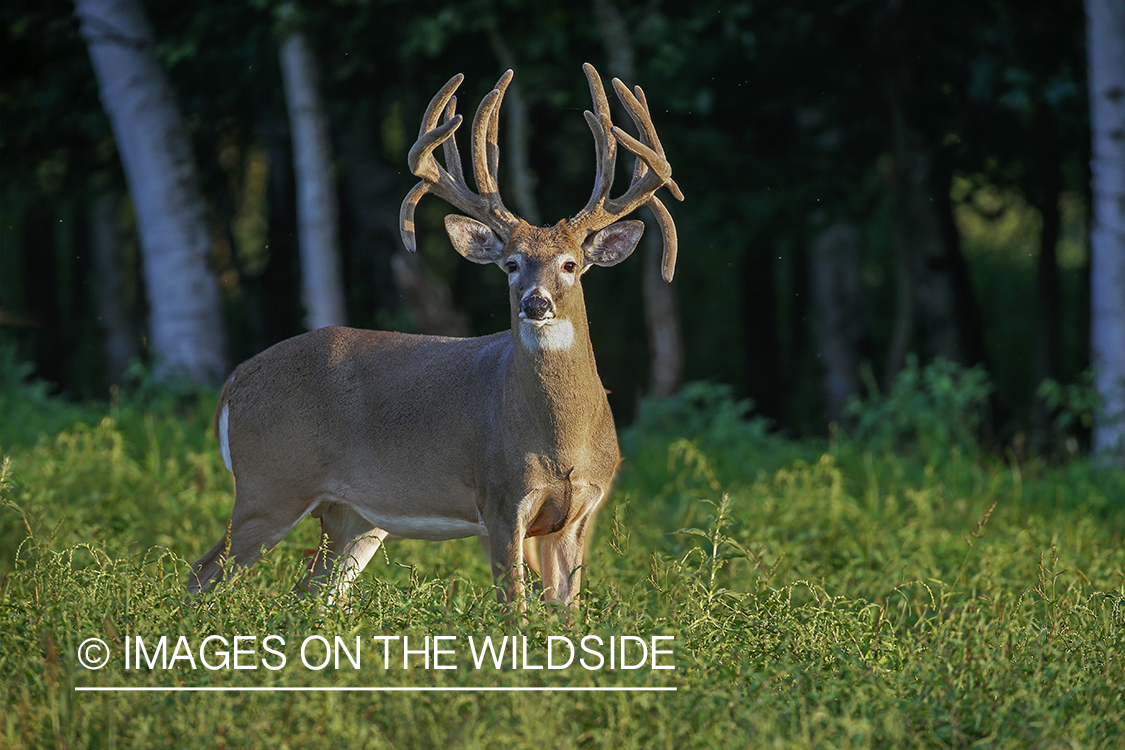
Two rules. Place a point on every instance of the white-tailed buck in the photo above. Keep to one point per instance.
(505, 437)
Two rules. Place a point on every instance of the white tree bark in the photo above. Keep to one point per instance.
(1105, 36)
(186, 332)
(322, 280)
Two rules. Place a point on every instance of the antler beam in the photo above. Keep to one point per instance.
(448, 182)
(650, 173)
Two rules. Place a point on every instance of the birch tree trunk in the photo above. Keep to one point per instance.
(322, 280)
(186, 332)
(1105, 35)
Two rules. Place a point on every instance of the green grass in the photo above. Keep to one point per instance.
(820, 595)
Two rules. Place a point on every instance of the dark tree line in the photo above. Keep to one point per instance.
(845, 167)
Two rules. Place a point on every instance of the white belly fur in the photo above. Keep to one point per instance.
(435, 512)
(434, 529)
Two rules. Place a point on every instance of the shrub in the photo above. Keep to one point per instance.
(931, 409)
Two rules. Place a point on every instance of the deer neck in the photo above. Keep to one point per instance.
(554, 373)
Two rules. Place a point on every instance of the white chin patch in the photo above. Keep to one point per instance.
(556, 334)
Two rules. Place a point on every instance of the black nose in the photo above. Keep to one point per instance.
(535, 307)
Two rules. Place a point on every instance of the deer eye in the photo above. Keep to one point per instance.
(570, 266)
(512, 266)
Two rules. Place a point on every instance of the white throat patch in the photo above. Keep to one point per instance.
(556, 334)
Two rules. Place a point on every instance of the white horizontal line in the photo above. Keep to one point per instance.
(283, 689)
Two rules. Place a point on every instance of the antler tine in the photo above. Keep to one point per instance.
(647, 150)
(605, 158)
(636, 105)
(452, 155)
(485, 145)
(406, 215)
(668, 233)
(421, 157)
(450, 185)
(494, 126)
(605, 147)
(437, 104)
(644, 125)
(422, 162)
(430, 136)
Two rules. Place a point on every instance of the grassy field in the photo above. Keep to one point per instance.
(878, 590)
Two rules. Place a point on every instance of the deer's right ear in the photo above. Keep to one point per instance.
(473, 239)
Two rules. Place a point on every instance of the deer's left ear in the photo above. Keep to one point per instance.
(615, 243)
(473, 239)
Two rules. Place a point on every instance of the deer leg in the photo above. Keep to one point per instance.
(506, 554)
(562, 566)
(347, 544)
(531, 555)
(206, 568)
(247, 535)
(530, 558)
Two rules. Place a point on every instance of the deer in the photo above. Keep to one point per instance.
(507, 437)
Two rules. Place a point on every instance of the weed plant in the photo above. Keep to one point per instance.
(889, 589)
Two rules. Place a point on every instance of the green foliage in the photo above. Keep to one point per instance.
(1072, 407)
(94, 471)
(26, 405)
(846, 599)
(933, 409)
(703, 418)
(701, 409)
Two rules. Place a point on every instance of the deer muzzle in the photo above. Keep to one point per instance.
(536, 305)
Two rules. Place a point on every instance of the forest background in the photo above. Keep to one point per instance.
(866, 182)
